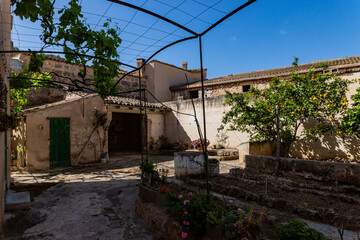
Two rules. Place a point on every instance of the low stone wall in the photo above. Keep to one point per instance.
(311, 169)
(256, 148)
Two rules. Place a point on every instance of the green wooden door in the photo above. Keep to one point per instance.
(59, 142)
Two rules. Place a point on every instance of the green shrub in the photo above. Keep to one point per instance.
(237, 224)
(297, 230)
(147, 167)
(195, 212)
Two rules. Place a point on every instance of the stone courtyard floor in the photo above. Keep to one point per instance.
(92, 202)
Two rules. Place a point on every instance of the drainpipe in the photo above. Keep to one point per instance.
(6, 145)
(22, 164)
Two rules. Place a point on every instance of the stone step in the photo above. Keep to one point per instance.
(17, 201)
(273, 215)
(295, 182)
(329, 209)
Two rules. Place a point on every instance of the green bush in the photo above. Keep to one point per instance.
(195, 212)
(147, 167)
(297, 230)
(237, 224)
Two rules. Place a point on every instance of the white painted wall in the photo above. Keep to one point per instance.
(182, 128)
(161, 76)
(156, 125)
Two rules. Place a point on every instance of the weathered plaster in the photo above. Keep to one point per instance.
(5, 39)
(81, 128)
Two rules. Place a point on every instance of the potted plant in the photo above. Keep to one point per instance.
(197, 144)
(147, 172)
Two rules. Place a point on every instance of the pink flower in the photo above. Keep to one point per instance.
(183, 234)
(186, 223)
(190, 194)
(244, 238)
(239, 209)
(180, 196)
(185, 213)
(186, 201)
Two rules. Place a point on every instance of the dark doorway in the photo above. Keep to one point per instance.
(124, 132)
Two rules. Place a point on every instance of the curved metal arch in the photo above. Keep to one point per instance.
(155, 15)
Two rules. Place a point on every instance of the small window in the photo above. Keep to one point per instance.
(194, 94)
(246, 88)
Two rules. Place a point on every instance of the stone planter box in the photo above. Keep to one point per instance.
(149, 195)
(151, 208)
(193, 163)
(311, 169)
(256, 148)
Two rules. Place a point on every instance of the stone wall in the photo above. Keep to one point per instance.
(221, 89)
(5, 155)
(318, 170)
(62, 72)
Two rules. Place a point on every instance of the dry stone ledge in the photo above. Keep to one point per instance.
(311, 169)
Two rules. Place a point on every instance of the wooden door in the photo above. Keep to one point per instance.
(59, 142)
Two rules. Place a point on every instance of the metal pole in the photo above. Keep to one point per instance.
(204, 119)
(146, 132)
(6, 144)
(141, 119)
(22, 164)
(277, 134)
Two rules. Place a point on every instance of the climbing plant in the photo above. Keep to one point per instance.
(317, 99)
(81, 44)
(351, 120)
(22, 83)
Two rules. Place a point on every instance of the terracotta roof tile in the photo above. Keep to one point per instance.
(270, 73)
(131, 102)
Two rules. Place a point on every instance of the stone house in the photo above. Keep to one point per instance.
(171, 85)
(5, 151)
(348, 67)
(54, 110)
(82, 129)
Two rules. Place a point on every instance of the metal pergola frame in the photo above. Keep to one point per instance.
(195, 35)
(138, 68)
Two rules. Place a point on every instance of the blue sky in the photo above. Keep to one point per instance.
(266, 34)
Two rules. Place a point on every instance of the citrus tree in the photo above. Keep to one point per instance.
(318, 98)
(351, 120)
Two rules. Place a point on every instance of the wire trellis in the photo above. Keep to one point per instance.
(147, 28)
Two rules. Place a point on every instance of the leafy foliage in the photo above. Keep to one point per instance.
(21, 84)
(237, 224)
(77, 39)
(198, 212)
(320, 98)
(321, 65)
(193, 211)
(351, 120)
(297, 230)
(147, 167)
